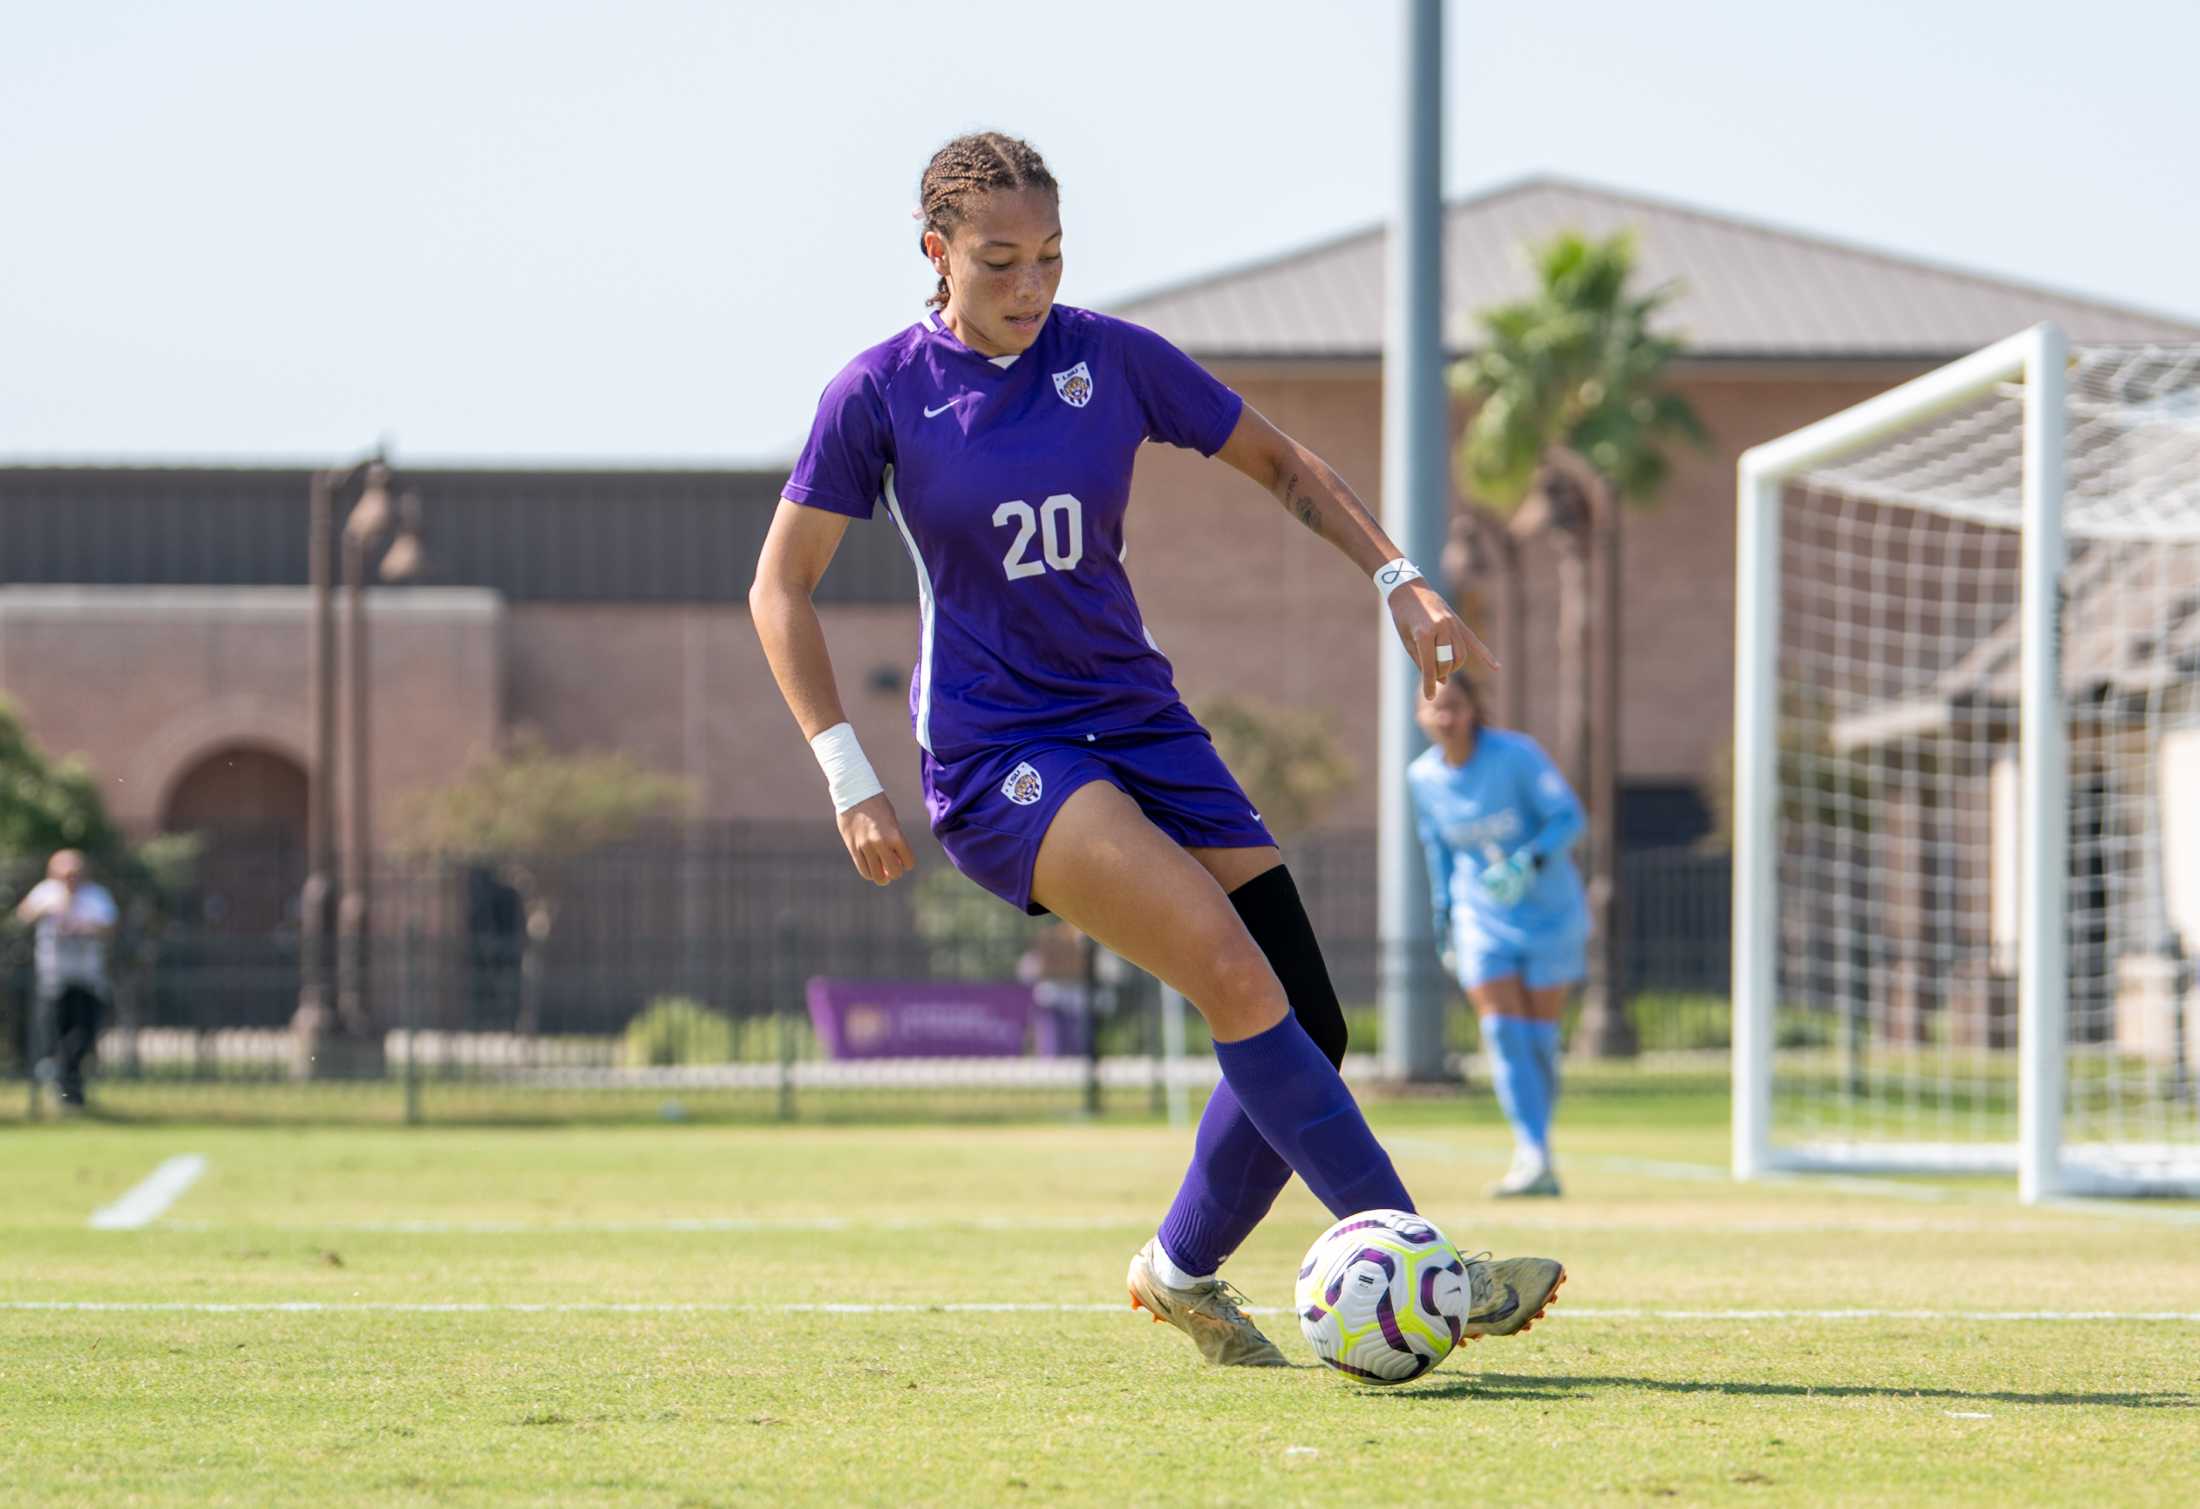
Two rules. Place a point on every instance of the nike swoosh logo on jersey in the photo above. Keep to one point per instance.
(943, 408)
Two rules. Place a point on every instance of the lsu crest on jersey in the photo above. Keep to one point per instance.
(1075, 386)
(1023, 785)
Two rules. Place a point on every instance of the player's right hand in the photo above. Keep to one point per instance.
(874, 839)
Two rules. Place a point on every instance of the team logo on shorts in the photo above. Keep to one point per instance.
(1075, 386)
(1022, 786)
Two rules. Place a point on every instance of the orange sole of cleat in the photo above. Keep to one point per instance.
(1549, 1300)
(1527, 1325)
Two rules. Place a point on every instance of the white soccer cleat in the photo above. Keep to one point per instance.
(1211, 1312)
(1530, 1176)
(1509, 1294)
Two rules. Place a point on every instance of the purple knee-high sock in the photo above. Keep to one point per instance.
(1297, 1103)
(1234, 1178)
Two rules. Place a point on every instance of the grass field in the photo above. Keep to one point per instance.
(704, 1314)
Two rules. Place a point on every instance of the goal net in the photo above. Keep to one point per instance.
(1967, 827)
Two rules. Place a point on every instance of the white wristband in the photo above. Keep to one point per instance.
(1394, 574)
(847, 773)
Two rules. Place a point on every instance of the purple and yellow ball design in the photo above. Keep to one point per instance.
(1382, 1295)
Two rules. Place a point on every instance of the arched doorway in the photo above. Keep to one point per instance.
(248, 806)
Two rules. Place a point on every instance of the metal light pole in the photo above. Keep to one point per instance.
(335, 901)
(371, 520)
(363, 530)
(318, 1017)
(317, 899)
(1416, 495)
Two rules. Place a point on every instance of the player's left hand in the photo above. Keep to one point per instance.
(1433, 635)
(1506, 882)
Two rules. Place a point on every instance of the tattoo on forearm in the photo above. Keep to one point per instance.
(1302, 504)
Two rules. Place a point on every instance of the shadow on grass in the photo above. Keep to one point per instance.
(1524, 1386)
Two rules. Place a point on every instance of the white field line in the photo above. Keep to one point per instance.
(1686, 1173)
(1859, 1184)
(1692, 1173)
(1622, 1312)
(669, 1224)
(1712, 1173)
(2138, 1209)
(1576, 1312)
(160, 1189)
(1513, 1220)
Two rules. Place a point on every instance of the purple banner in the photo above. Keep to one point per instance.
(920, 1018)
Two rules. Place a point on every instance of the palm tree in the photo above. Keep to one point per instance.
(1571, 419)
(1480, 546)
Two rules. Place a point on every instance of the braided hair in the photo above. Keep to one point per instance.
(966, 169)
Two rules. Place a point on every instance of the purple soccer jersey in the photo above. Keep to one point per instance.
(1035, 674)
(1009, 484)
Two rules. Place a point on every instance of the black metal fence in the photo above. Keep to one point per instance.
(669, 976)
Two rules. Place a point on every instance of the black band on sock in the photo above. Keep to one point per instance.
(1270, 908)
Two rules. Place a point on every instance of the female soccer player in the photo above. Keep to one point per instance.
(1497, 820)
(1061, 772)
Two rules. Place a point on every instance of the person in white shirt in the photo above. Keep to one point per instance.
(72, 919)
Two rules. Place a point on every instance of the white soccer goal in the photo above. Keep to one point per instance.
(1967, 777)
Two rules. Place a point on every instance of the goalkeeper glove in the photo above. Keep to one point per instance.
(1447, 951)
(1506, 882)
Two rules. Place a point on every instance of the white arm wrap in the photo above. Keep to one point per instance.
(1393, 574)
(847, 772)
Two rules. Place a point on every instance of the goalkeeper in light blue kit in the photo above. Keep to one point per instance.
(1497, 822)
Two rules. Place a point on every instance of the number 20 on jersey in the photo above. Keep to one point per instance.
(1059, 526)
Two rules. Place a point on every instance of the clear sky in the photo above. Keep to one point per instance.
(651, 230)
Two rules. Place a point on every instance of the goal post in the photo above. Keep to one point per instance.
(1927, 974)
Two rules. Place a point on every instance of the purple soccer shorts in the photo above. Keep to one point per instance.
(991, 808)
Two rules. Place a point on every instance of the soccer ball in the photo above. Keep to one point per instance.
(1382, 1295)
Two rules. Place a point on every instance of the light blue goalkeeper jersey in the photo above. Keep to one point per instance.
(1507, 796)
